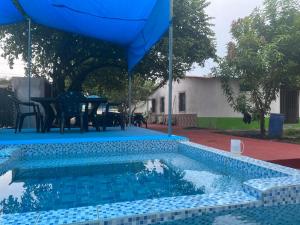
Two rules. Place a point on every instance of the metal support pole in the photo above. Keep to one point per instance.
(29, 66)
(129, 96)
(29, 62)
(170, 69)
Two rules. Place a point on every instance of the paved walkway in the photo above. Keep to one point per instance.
(267, 150)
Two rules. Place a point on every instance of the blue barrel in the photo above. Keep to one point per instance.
(276, 125)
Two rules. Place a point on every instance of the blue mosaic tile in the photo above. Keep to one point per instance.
(74, 215)
(278, 215)
(273, 184)
(96, 148)
(167, 208)
(276, 184)
(7, 152)
(275, 191)
(93, 160)
(269, 183)
(265, 169)
(19, 219)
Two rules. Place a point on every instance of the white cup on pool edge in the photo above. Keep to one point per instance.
(237, 146)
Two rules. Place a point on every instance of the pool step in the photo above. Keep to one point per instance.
(276, 190)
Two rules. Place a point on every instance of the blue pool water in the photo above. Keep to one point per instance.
(46, 184)
(279, 215)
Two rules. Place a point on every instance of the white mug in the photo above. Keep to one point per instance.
(237, 146)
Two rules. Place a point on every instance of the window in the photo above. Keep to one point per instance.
(153, 104)
(182, 102)
(162, 104)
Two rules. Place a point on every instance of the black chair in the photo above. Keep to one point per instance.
(92, 114)
(71, 105)
(98, 120)
(34, 110)
(110, 118)
(138, 119)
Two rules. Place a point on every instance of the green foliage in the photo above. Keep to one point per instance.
(60, 56)
(141, 89)
(69, 59)
(263, 56)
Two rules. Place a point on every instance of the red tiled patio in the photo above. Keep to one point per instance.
(272, 151)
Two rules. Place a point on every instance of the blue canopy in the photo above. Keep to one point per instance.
(8, 13)
(136, 25)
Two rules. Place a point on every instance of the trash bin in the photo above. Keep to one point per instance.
(276, 125)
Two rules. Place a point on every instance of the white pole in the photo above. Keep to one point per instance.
(170, 70)
(29, 66)
(129, 95)
(29, 63)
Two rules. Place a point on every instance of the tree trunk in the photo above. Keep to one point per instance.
(59, 85)
(76, 85)
(262, 124)
(77, 82)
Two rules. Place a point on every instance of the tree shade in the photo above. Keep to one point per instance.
(135, 25)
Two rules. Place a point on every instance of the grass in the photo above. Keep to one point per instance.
(227, 123)
(236, 126)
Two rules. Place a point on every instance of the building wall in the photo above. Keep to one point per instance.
(204, 97)
(275, 105)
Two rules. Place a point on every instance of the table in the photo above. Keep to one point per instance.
(49, 105)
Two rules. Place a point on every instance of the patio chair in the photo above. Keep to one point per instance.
(34, 111)
(71, 105)
(98, 120)
(138, 120)
(93, 118)
(110, 118)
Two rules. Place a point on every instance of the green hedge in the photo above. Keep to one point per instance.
(227, 123)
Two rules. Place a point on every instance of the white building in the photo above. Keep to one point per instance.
(194, 97)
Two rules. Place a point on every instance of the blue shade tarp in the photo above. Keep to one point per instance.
(136, 25)
(9, 13)
(157, 24)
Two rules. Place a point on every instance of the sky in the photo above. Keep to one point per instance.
(223, 12)
(6, 72)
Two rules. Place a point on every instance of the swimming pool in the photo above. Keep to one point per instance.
(39, 185)
(134, 182)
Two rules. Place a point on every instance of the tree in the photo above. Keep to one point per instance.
(264, 55)
(141, 89)
(62, 57)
